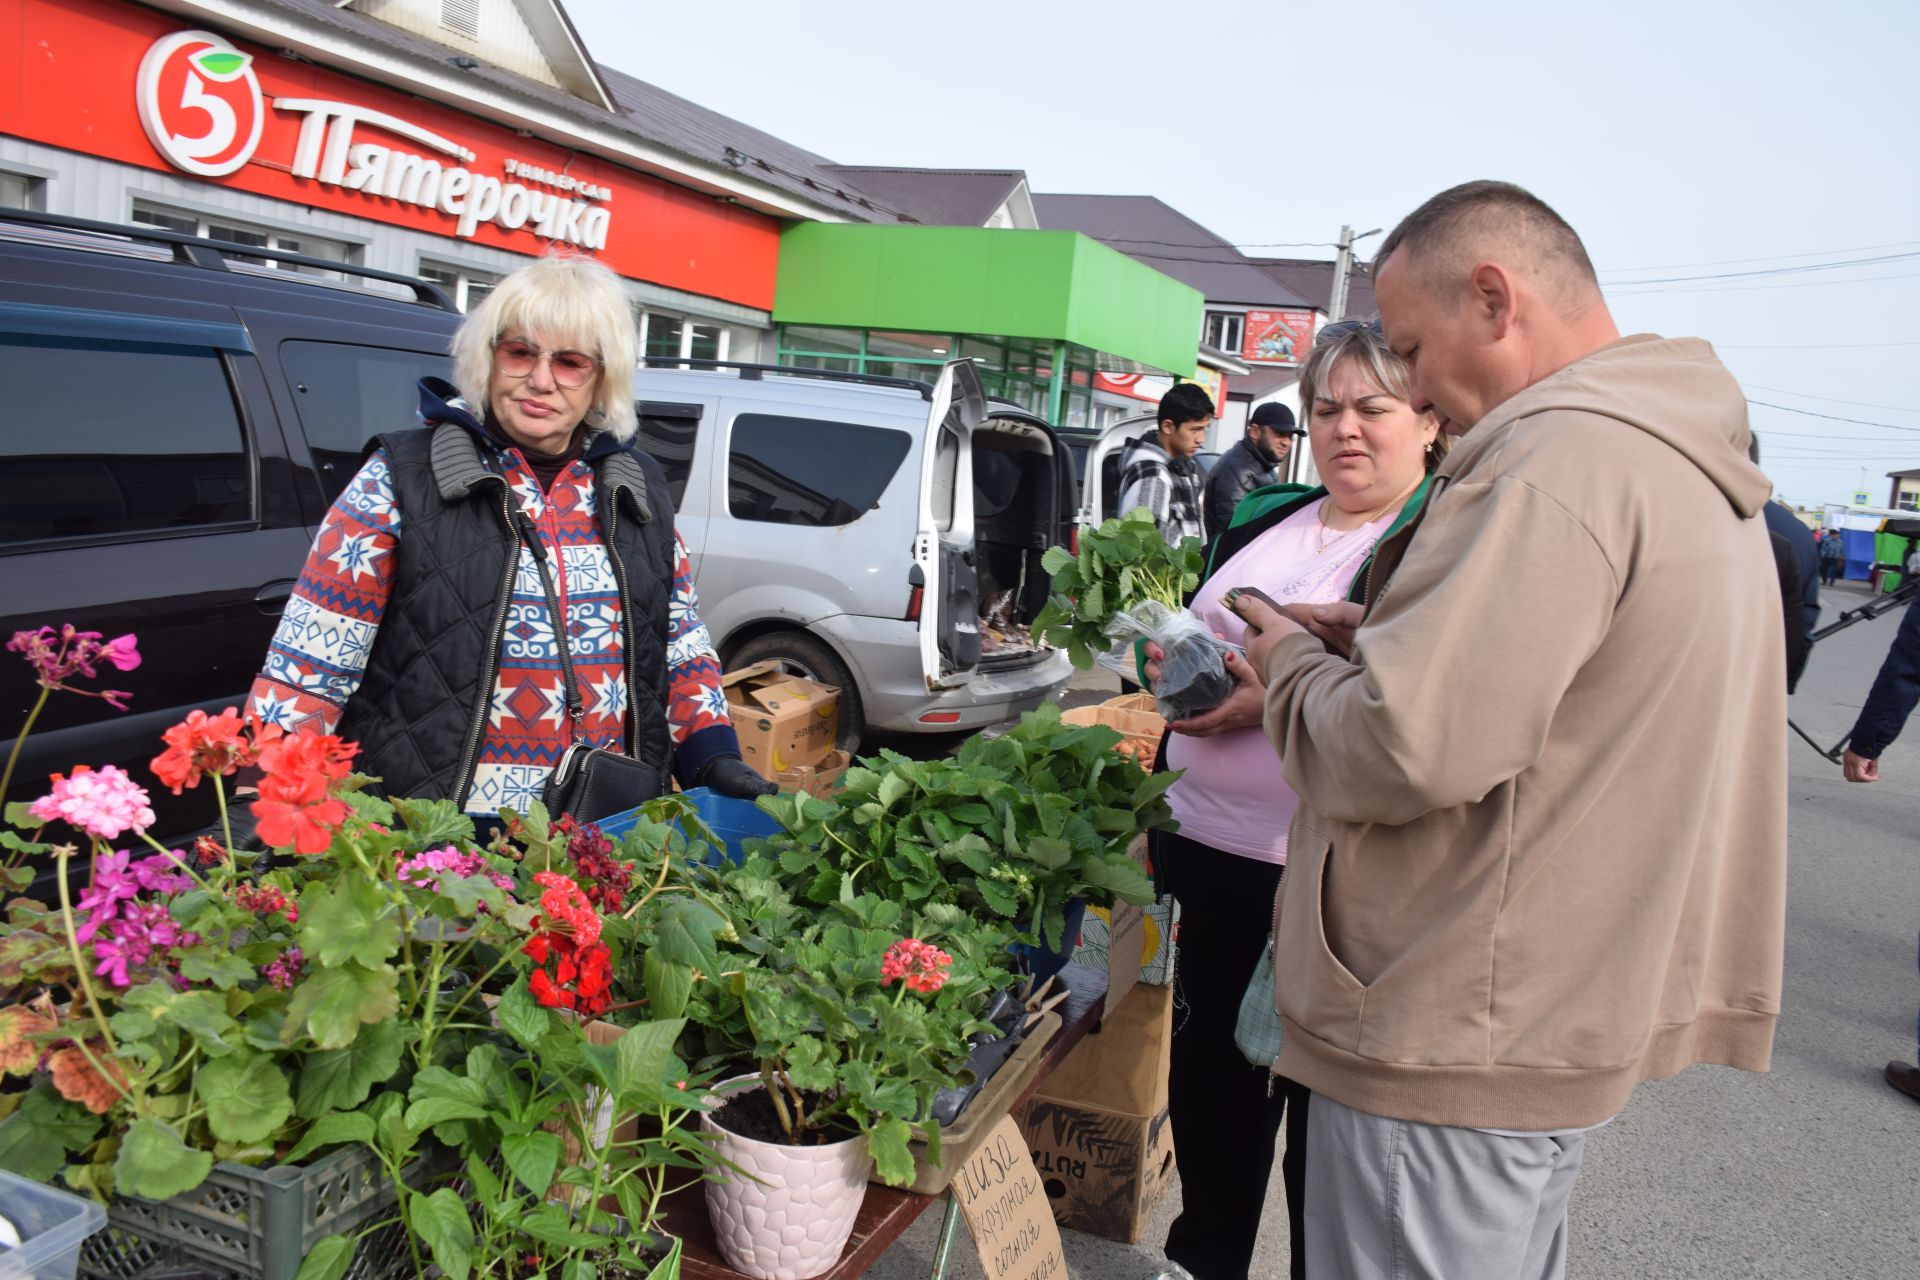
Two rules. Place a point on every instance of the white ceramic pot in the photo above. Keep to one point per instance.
(793, 1222)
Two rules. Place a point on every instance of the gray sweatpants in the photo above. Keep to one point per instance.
(1395, 1200)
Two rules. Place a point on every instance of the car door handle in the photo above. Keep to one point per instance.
(272, 598)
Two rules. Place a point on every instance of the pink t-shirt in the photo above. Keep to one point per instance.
(1234, 796)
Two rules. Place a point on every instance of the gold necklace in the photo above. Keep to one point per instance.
(1329, 535)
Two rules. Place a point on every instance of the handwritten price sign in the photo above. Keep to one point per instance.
(1007, 1211)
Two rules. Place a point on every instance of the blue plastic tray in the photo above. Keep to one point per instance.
(731, 821)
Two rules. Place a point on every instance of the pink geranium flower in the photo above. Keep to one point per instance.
(103, 803)
(921, 965)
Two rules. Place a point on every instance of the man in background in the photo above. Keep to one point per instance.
(1158, 470)
(1252, 463)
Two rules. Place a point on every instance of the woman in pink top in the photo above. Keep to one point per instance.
(1300, 546)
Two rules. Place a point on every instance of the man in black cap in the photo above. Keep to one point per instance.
(1250, 464)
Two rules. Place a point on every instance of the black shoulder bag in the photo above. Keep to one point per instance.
(590, 782)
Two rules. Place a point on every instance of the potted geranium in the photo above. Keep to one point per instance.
(203, 1027)
(843, 1021)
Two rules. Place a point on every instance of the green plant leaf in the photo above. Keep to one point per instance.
(35, 1139)
(441, 1223)
(246, 1095)
(340, 1079)
(1056, 559)
(433, 823)
(332, 1004)
(155, 1163)
(668, 1268)
(668, 984)
(221, 968)
(643, 1055)
(892, 1155)
(686, 933)
(328, 1259)
(331, 1130)
(533, 1157)
(350, 921)
(521, 1016)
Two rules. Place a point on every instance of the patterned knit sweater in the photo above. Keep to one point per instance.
(322, 645)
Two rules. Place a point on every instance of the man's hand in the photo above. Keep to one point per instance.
(1265, 626)
(1859, 768)
(1243, 708)
(1335, 624)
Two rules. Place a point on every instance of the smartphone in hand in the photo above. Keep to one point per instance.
(1232, 600)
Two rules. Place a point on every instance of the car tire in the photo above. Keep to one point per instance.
(811, 659)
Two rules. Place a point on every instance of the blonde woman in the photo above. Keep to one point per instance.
(423, 625)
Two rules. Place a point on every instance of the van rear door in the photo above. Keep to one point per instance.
(1100, 491)
(943, 551)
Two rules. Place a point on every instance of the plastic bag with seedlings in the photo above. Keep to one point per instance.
(1193, 675)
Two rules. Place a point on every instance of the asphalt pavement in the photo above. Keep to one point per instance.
(1811, 1170)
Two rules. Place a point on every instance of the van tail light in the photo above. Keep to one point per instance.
(914, 600)
(1073, 540)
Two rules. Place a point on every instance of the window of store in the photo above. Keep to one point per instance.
(809, 471)
(150, 440)
(19, 191)
(464, 285)
(673, 336)
(1019, 370)
(1223, 329)
(223, 228)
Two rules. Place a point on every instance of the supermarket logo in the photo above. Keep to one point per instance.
(200, 103)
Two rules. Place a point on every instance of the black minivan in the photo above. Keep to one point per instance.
(175, 421)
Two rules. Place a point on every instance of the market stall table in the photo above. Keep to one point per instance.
(887, 1213)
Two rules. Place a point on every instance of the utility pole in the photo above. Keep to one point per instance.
(1342, 270)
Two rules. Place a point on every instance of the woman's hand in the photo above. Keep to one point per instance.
(1335, 624)
(1151, 669)
(1243, 709)
(1265, 626)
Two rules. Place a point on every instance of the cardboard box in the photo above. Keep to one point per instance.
(782, 721)
(821, 779)
(1122, 1064)
(1140, 729)
(1102, 1170)
(1154, 928)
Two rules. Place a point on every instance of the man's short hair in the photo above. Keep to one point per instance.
(1462, 221)
(1185, 403)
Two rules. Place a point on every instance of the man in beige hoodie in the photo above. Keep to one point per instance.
(1541, 853)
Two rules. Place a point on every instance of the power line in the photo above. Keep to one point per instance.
(1831, 417)
(1772, 257)
(1221, 244)
(1622, 291)
(1808, 395)
(1808, 346)
(1761, 272)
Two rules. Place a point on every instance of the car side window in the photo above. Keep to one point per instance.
(348, 393)
(809, 471)
(117, 438)
(669, 432)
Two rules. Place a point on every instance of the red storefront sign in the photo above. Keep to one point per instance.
(1277, 337)
(124, 83)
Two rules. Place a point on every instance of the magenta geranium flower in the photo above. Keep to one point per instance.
(104, 802)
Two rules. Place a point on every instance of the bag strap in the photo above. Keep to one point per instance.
(576, 707)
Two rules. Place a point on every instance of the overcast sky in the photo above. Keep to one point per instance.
(1675, 136)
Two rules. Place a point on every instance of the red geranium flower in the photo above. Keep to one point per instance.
(921, 965)
(203, 744)
(296, 804)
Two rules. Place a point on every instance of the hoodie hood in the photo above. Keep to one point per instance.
(1674, 389)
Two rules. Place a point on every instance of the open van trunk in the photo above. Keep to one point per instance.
(1021, 479)
(997, 490)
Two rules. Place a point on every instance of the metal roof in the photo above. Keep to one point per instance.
(937, 197)
(1149, 230)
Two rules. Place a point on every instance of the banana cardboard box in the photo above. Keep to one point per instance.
(783, 721)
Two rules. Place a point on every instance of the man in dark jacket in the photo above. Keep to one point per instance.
(1783, 524)
(1895, 690)
(1252, 463)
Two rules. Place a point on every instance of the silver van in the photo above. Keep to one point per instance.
(873, 533)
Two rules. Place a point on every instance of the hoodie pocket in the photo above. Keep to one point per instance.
(1312, 987)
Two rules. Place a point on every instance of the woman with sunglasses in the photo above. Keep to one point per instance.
(423, 625)
(1299, 546)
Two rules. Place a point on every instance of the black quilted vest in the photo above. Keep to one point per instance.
(421, 710)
